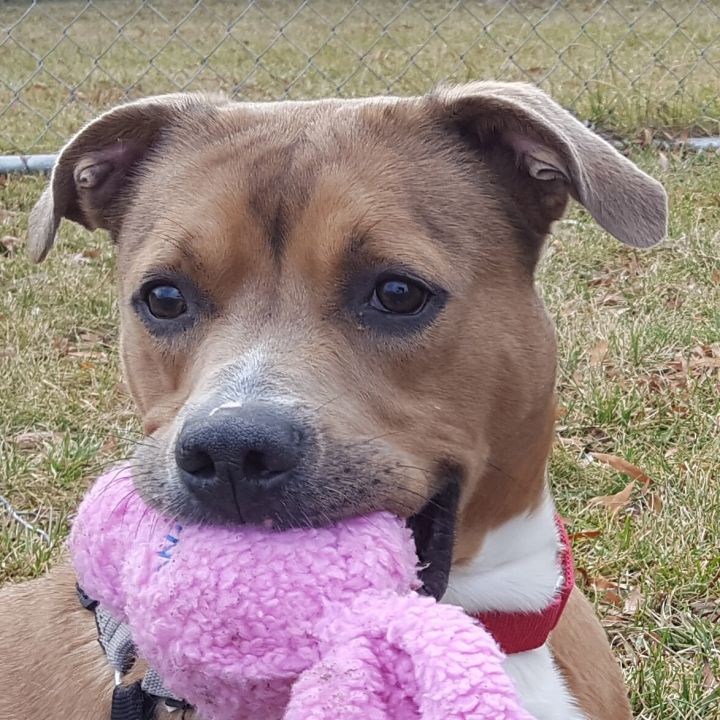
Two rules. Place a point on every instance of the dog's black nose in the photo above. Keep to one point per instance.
(237, 454)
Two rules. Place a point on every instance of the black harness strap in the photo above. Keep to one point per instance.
(85, 600)
(131, 702)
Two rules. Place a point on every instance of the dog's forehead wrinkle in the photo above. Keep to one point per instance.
(269, 185)
(281, 178)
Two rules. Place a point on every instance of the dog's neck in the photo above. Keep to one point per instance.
(516, 569)
(506, 553)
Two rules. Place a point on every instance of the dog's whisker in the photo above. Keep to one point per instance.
(501, 471)
(327, 403)
(367, 441)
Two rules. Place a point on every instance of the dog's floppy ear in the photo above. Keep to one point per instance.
(551, 144)
(92, 174)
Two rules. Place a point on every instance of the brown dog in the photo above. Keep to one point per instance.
(328, 308)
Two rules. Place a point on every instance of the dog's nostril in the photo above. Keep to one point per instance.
(197, 463)
(204, 465)
(256, 465)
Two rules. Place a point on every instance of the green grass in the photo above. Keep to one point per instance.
(654, 309)
(654, 567)
(621, 65)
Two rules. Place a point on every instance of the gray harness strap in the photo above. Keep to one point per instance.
(116, 641)
(153, 685)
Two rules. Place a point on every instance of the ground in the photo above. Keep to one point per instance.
(621, 64)
(639, 392)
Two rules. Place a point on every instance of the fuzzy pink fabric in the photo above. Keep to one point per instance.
(320, 624)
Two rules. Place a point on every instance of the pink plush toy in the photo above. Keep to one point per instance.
(313, 624)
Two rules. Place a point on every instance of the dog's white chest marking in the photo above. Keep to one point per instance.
(540, 686)
(517, 569)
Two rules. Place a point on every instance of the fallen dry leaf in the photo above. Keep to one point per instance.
(709, 681)
(78, 259)
(612, 598)
(583, 573)
(61, 344)
(633, 602)
(709, 609)
(614, 502)
(705, 362)
(9, 245)
(597, 583)
(678, 366)
(87, 354)
(606, 590)
(583, 534)
(612, 299)
(602, 280)
(710, 350)
(714, 579)
(625, 467)
(7, 216)
(612, 620)
(572, 442)
(674, 299)
(35, 439)
(109, 446)
(654, 502)
(598, 354)
(89, 339)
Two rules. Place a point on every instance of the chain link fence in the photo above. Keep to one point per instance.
(622, 65)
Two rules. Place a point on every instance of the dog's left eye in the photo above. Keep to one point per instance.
(399, 295)
(165, 302)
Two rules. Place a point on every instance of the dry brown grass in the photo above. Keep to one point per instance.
(620, 65)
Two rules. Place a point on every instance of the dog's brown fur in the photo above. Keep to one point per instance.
(52, 664)
(581, 650)
(271, 211)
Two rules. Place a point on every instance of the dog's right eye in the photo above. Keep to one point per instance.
(165, 302)
(399, 295)
(170, 303)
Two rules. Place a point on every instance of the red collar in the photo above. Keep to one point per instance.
(517, 632)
